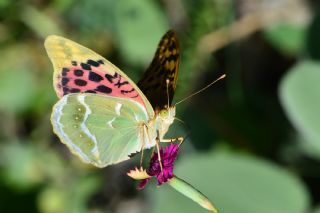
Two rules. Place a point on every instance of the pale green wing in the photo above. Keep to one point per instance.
(101, 130)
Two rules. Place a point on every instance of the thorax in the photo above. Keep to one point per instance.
(159, 125)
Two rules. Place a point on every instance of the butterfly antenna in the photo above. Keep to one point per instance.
(204, 88)
(167, 84)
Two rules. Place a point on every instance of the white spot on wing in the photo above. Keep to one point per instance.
(85, 129)
(117, 108)
(110, 123)
(136, 117)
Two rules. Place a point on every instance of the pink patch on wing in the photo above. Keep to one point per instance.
(87, 78)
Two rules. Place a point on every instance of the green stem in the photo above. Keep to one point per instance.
(192, 193)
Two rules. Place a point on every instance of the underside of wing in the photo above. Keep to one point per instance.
(100, 130)
(78, 69)
(164, 67)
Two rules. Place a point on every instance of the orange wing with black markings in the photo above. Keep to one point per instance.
(164, 67)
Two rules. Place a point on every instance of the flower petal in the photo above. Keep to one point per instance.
(143, 183)
(138, 174)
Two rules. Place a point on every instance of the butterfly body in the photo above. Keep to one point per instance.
(102, 115)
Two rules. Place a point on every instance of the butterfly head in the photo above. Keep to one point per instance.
(168, 114)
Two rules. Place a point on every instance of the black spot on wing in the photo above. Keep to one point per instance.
(93, 63)
(103, 89)
(64, 81)
(74, 63)
(172, 58)
(90, 91)
(120, 84)
(65, 90)
(100, 62)
(95, 77)
(65, 71)
(74, 90)
(126, 91)
(171, 79)
(85, 66)
(78, 73)
(80, 82)
(110, 77)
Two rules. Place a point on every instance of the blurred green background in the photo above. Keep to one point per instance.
(253, 139)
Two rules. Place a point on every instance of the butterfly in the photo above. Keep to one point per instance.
(102, 116)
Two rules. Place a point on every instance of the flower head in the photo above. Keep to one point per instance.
(168, 155)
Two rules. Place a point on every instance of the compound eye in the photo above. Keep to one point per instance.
(164, 113)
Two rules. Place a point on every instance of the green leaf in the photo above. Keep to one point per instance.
(287, 38)
(24, 164)
(317, 209)
(19, 83)
(300, 97)
(52, 200)
(41, 24)
(20, 165)
(140, 25)
(313, 41)
(82, 190)
(101, 18)
(4, 3)
(71, 197)
(17, 89)
(235, 183)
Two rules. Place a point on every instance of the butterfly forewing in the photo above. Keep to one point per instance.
(78, 69)
(164, 67)
(101, 130)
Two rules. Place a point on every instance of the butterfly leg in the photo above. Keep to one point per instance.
(141, 158)
(145, 137)
(170, 140)
(158, 150)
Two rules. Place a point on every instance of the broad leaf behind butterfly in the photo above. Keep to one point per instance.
(164, 66)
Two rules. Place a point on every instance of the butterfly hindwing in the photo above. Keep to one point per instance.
(78, 69)
(164, 66)
(101, 130)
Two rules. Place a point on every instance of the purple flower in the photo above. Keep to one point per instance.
(168, 155)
